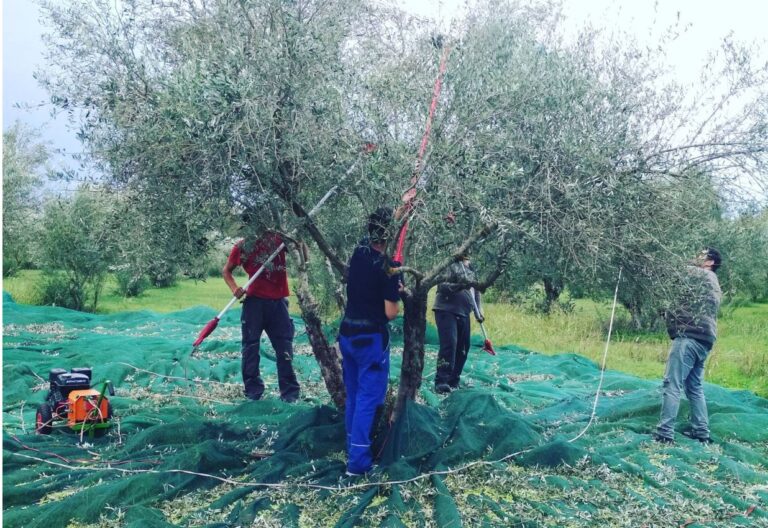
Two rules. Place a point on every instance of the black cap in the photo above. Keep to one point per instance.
(379, 223)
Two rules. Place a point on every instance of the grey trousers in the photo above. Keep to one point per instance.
(453, 332)
(685, 371)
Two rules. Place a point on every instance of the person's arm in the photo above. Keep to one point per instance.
(391, 309)
(479, 315)
(394, 287)
(227, 270)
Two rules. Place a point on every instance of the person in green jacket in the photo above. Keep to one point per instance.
(692, 326)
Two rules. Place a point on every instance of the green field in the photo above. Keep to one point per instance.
(739, 359)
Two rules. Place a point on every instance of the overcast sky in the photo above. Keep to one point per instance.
(709, 21)
(22, 53)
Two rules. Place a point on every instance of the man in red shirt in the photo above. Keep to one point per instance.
(265, 309)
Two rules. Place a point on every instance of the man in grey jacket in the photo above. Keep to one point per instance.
(692, 326)
(452, 307)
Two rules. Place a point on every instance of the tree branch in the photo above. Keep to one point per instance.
(431, 277)
(412, 271)
(501, 265)
(317, 236)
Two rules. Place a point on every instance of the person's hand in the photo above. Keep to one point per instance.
(239, 292)
(480, 318)
(409, 195)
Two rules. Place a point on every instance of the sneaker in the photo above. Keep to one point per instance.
(368, 472)
(289, 399)
(662, 439)
(442, 388)
(702, 439)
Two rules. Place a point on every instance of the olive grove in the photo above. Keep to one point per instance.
(550, 159)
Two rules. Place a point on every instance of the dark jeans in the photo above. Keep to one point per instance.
(453, 331)
(260, 315)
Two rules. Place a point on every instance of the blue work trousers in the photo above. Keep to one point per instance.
(685, 371)
(365, 360)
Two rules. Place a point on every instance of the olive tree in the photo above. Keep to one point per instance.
(743, 241)
(76, 248)
(219, 107)
(536, 143)
(24, 161)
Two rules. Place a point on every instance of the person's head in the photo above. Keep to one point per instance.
(254, 223)
(379, 223)
(709, 258)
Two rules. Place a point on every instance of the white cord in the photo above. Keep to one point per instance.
(602, 367)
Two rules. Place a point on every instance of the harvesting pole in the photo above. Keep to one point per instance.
(213, 323)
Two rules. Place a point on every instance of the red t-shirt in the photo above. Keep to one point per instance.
(273, 281)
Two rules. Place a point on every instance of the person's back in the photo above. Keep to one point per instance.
(695, 312)
(368, 285)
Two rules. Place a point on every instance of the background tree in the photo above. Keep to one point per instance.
(743, 241)
(76, 249)
(24, 162)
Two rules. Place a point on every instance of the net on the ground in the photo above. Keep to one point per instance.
(186, 449)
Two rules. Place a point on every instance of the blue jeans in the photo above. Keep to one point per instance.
(685, 370)
(365, 360)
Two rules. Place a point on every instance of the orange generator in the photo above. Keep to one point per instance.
(72, 398)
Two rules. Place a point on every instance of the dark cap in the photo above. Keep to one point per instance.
(379, 223)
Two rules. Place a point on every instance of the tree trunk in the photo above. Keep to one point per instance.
(414, 331)
(326, 353)
(552, 289)
(636, 315)
(338, 293)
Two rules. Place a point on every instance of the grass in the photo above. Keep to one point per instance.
(185, 294)
(739, 359)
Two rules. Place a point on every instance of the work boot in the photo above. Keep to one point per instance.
(702, 439)
(662, 439)
(442, 388)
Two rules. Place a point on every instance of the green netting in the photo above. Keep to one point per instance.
(187, 450)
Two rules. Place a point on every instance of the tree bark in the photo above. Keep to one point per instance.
(326, 353)
(414, 331)
(635, 313)
(552, 290)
